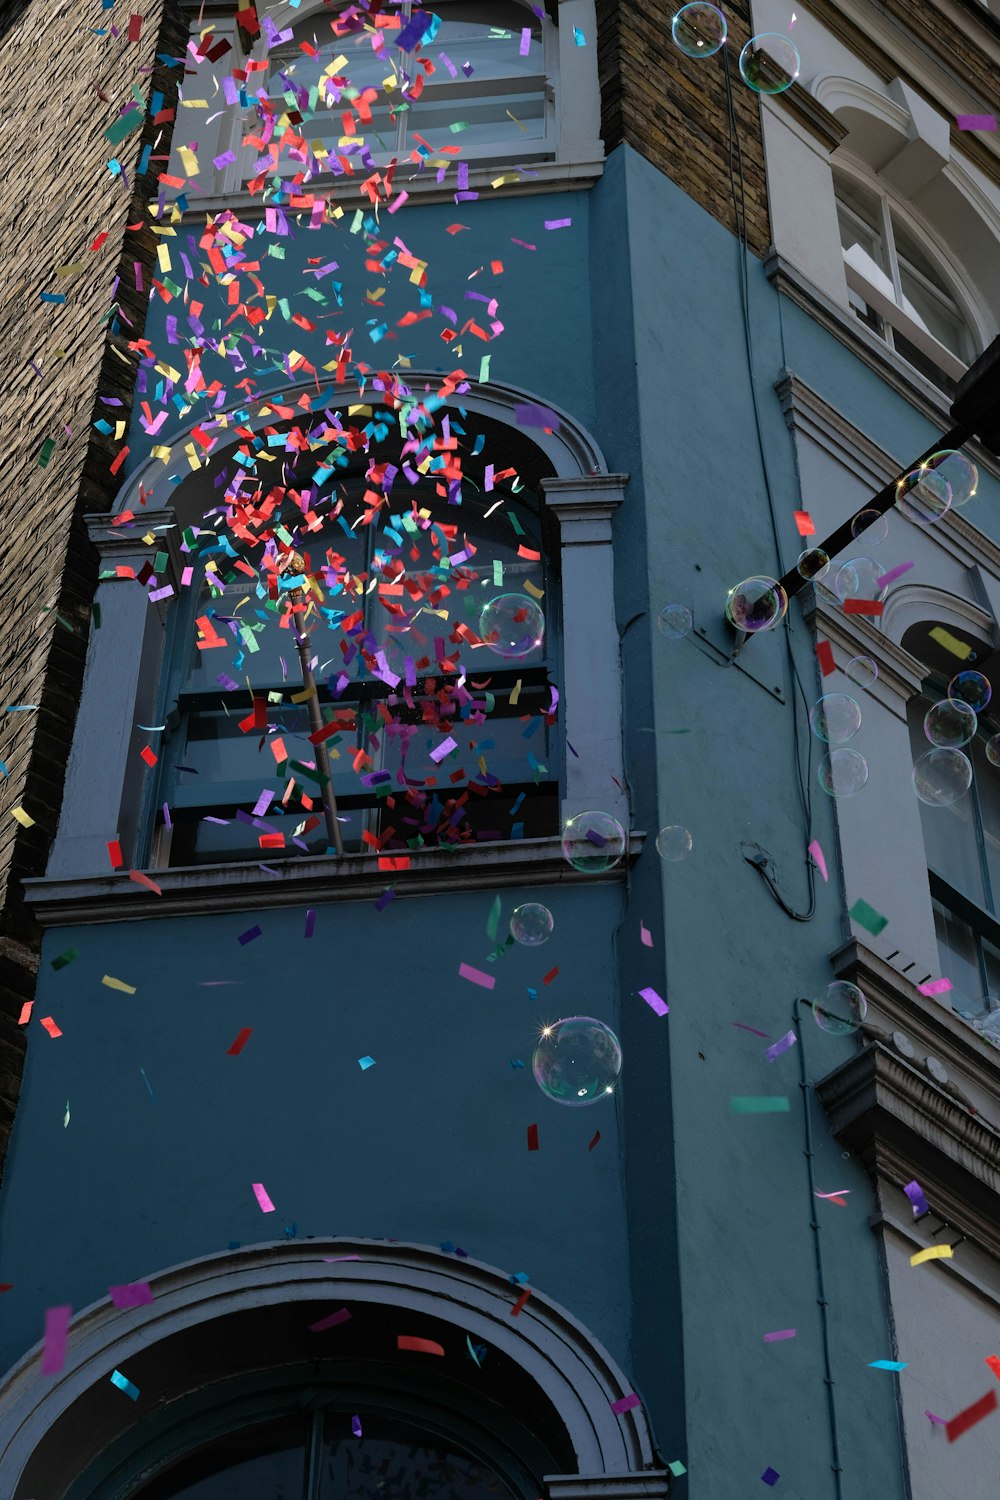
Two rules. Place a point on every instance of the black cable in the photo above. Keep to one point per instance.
(803, 781)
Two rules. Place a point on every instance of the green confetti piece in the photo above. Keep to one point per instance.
(64, 958)
(518, 528)
(676, 1468)
(761, 1104)
(46, 451)
(497, 573)
(866, 916)
(493, 920)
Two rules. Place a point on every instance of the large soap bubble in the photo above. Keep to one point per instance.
(950, 723)
(674, 621)
(925, 494)
(842, 773)
(942, 776)
(699, 29)
(593, 842)
(512, 625)
(756, 604)
(835, 717)
(770, 63)
(971, 688)
(813, 564)
(577, 1061)
(859, 578)
(673, 843)
(862, 671)
(873, 525)
(843, 1009)
(531, 924)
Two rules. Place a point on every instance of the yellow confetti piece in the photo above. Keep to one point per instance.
(935, 1252)
(118, 984)
(516, 693)
(950, 642)
(163, 257)
(533, 589)
(22, 817)
(161, 451)
(189, 159)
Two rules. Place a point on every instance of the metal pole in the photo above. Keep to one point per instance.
(883, 501)
(322, 757)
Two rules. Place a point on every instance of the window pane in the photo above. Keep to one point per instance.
(988, 789)
(485, 121)
(491, 55)
(266, 1461)
(863, 203)
(393, 1461)
(959, 962)
(950, 838)
(927, 295)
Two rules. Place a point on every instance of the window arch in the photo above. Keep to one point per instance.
(899, 283)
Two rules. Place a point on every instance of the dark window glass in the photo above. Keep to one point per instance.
(393, 1462)
(265, 1462)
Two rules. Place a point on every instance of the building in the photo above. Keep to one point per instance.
(659, 311)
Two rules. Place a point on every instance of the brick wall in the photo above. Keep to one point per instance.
(58, 196)
(673, 109)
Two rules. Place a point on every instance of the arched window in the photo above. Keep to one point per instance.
(962, 839)
(897, 286)
(394, 611)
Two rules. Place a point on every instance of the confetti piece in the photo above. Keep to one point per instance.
(148, 755)
(476, 976)
(971, 1415)
(887, 1364)
(249, 935)
(118, 984)
(939, 1421)
(558, 223)
(824, 655)
(115, 855)
(310, 923)
(976, 122)
(364, 1063)
(915, 1193)
(782, 1333)
(579, 40)
(50, 1026)
(597, 1137)
(418, 1346)
(332, 1321)
(551, 975)
(260, 1193)
(645, 936)
(20, 816)
(933, 1252)
(56, 1332)
(438, 754)
(817, 854)
(893, 574)
(131, 1294)
(782, 1045)
(839, 1197)
(140, 879)
(356, 1426)
(124, 1384)
(951, 643)
(804, 522)
(475, 1351)
(625, 1403)
(653, 1000)
(770, 1476)
(241, 1040)
(25, 1015)
(766, 1104)
(862, 606)
(519, 1304)
(676, 1468)
(866, 916)
(532, 1137)
(752, 1029)
(994, 1363)
(935, 987)
(493, 920)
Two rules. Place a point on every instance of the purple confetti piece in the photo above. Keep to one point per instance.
(626, 1403)
(915, 1193)
(938, 1421)
(593, 837)
(526, 414)
(781, 1045)
(654, 1001)
(782, 1333)
(310, 922)
(343, 1316)
(356, 1426)
(132, 1294)
(976, 122)
(770, 1476)
(56, 1333)
(383, 901)
(558, 223)
(893, 574)
(438, 754)
(249, 935)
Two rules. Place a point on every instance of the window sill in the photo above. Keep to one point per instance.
(210, 889)
(547, 177)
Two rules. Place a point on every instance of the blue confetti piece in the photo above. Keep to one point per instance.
(516, 1062)
(532, 993)
(124, 1384)
(887, 1364)
(579, 40)
(366, 1062)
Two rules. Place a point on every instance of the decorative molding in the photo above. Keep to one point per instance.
(880, 1223)
(900, 675)
(652, 1484)
(195, 890)
(902, 1125)
(571, 1371)
(810, 112)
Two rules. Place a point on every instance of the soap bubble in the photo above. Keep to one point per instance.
(674, 621)
(756, 604)
(959, 473)
(593, 842)
(512, 625)
(577, 1061)
(835, 717)
(842, 773)
(941, 777)
(924, 495)
(859, 578)
(950, 723)
(699, 29)
(862, 671)
(843, 1009)
(993, 750)
(971, 688)
(673, 843)
(531, 924)
(770, 63)
(813, 564)
(872, 524)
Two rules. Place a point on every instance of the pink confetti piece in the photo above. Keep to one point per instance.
(839, 1197)
(56, 1334)
(476, 976)
(782, 1333)
(893, 574)
(752, 1029)
(976, 122)
(935, 987)
(781, 1045)
(938, 1421)
(334, 1319)
(654, 1001)
(626, 1403)
(817, 854)
(645, 936)
(260, 1193)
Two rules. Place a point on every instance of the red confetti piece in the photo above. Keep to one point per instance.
(804, 522)
(134, 28)
(518, 1305)
(25, 1015)
(115, 855)
(418, 1346)
(971, 1415)
(240, 1042)
(862, 607)
(532, 1137)
(994, 1364)
(394, 862)
(141, 879)
(50, 1026)
(148, 755)
(594, 1142)
(824, 655)
(343, 1316)
(551, 975)
(100, 240)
